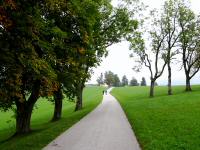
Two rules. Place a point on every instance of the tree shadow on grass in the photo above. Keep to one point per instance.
(19, 136)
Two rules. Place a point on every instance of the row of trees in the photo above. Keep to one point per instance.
(172, 33)
(112, 79)
(47, 49)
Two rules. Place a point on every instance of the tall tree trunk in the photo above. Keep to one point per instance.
(58, 97)
(169, 79)
(23, 118)
(24, 110)
(151, 94)
(79, 101)
(188, 86)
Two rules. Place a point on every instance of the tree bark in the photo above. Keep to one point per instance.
(79, 101)
(188, 86)
(23, 118)
(24, 110)
(151, 94)
(169, 79)
(58, 97)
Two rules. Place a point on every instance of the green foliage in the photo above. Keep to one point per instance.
(134, 82)
(59, 40)
(143, 82)
(23, 62)
(48, 45)
(189, 24)
(124, 80)
(154, 47)
(116, 82)
(100, 79)
(109, 78)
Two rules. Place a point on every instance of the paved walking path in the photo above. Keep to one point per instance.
(105, 128)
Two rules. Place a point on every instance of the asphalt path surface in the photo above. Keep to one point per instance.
(105, 128)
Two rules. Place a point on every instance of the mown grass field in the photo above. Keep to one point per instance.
(163, 122)
(45, 131)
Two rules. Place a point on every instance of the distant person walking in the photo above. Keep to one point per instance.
(106, 92)
(103, 92)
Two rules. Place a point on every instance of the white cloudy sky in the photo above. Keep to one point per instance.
(119, 62)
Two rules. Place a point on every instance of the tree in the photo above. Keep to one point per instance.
(109, 78)
(134, 82)
(189, 42)
(26, 70)
(100, 79)
(124, 80)
(54, 46)
(157, 38)
(170, 25)
(116, 82)
(55, 32)
(58, 97)
(65, 36)
(85, 35)
(110, 26)
(143, 82)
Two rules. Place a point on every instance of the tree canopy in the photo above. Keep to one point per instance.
(143, 82)
(50, 47)
(134, 82)
(100, 79)
(124, 80)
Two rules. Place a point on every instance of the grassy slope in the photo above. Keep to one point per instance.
(45, 131)
(163, 122)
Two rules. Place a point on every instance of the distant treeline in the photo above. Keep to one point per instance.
(111, 79)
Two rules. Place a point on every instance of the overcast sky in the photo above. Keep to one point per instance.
(119, 62)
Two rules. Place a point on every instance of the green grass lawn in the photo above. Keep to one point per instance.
(45, 131)
(163, 122)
